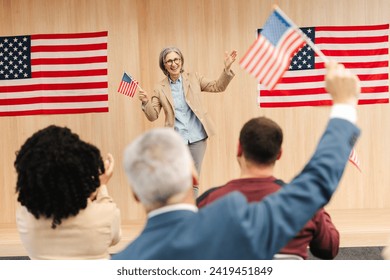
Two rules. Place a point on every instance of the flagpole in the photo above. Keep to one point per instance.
(303, 35)
(139, 87)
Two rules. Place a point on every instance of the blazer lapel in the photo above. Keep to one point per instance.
(166, 89)
(186, 84)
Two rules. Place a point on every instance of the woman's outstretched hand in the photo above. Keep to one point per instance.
(229, 59)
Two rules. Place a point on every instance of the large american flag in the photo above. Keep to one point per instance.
(268, 57)
(53, 74)
(363, 49)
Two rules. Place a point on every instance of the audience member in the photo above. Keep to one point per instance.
(159, 169)
(66, 211)
(386, 253)
(259, 147)
(178, 94)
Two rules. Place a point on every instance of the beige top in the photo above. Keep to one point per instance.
(386, 253)
(85, 236)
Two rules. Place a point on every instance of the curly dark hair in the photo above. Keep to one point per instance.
(57, 172)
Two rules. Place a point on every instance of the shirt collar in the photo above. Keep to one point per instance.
(177, 81)
(173, 207)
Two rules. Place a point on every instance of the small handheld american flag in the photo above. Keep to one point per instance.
(269, 56)
(353, 158)
(128, 85)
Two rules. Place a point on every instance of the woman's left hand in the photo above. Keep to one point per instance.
(229, 59)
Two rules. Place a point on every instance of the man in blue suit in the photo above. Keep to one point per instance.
(160, 171)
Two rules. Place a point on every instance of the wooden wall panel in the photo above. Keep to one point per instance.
(109, 131)
(203, 30)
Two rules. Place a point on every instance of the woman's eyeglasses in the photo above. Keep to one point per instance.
(170, 62)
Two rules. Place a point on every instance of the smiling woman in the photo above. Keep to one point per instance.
(179, 96)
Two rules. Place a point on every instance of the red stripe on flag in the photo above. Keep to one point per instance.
(53, 111)
(52, 99)
(297, 104)
(353, 28)
(355, 52)
(364, 102)
(70, 35)
(70, 73)
(354, 40)
(295, 92)
(51, 87)
(69, 48)
(72, 60)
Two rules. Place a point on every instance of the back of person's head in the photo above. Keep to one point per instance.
(56, 173)
(158, 165)
(261, 140)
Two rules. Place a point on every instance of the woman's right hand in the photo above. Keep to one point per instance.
(109, 170)
(143, 96)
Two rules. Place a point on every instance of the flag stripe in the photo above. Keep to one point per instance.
(70, 35)
(69, 48)
(298, 89)
(43, 93)
(68, 67)
(320, 78)
(353, 28)
(25, 112)
(55, 86)
(352, 40)
(312, 96)
(72, 60)
(53, 80)
(52, 99)
(368, 61)
(87, 53)
(71, 73)
(54, 106)
(356, 52)
(268, 104)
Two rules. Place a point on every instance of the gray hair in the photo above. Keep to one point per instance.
(158, 165)
(163, 55)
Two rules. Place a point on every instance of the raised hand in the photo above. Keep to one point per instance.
(109, 170)
(341, 84)
(229, 59)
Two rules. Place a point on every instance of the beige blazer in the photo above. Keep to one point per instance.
(386, 253)
(88, 235)
(193, 85)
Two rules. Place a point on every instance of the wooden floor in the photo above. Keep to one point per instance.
(358, 228)
(361, 228)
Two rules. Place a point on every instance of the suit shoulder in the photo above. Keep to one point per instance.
(203, 197)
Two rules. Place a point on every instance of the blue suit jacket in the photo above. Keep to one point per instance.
(230, 228)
